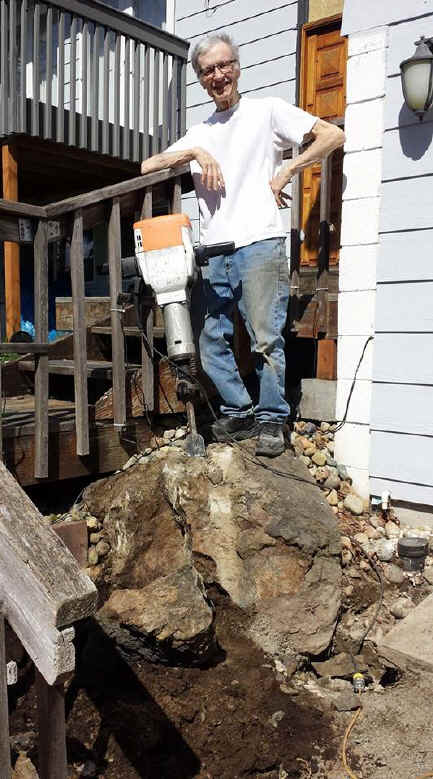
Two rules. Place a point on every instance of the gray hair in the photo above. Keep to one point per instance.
(203, 46)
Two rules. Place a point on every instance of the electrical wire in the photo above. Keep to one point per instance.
(349, 729)
(349, 397)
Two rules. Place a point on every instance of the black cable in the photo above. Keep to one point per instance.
(349, 397)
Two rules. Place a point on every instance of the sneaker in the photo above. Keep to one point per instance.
(234, 428)
(271, 439)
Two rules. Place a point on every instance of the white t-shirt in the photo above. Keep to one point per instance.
(248, 142)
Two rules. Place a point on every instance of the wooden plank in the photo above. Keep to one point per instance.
(326, 359)
(9, 230)
(158, 332)
(52, 729)
(146, 104)
(109, 451)
(39, 573)
(117, 339)
(48, 116)
(95, 369)
(106, 94)
(415, 300)
(13, 67)
(94, 94)
(401, 457)
(173, 100)
(126, 99)
(35, 67)
(23, 59)
(80, 353)
(72, 82)
(394, 251)
(5, 750)
(176, 197)
(60, 130)
(11, 250)
(147, 367)
(323, 257)
(165, 115)
(414, 368)
(116, 88)
(389, 400)
(41, 361)
(24, 348)
(113, 190)
(136, 103)
(12, 207)
(84, 82)
(156, 91)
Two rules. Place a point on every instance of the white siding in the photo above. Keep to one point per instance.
(267, 47)
(365, 14)
(401, 450)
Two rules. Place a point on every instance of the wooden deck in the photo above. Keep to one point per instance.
(109, 447)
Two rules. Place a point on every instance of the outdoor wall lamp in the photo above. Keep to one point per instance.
(417, 77)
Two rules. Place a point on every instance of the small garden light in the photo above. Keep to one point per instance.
(417, 77)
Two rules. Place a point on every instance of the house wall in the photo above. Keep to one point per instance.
(267, 44)
(398, 432)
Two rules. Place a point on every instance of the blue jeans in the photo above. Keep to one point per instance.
(256, 278)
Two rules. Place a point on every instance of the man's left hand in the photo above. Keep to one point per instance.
(277, 185)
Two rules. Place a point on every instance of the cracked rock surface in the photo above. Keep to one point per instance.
(178, 525)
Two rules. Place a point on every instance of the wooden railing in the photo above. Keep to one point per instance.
(81, 73)
(43, 593)
(25, 223)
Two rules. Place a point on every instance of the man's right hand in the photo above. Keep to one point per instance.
(212, 177)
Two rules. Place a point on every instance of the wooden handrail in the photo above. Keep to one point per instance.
(111, 191)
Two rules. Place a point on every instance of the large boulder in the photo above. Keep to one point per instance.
(264, 535)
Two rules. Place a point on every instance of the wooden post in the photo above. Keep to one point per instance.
(147, 368)
(41, 333)
(52, 729)
(326, 367)
(326, 347)
(5, 752)
(11, 250)
(295, 246)
(80, 336)
(117, 339)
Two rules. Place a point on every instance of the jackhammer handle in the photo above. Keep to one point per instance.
(202, 253)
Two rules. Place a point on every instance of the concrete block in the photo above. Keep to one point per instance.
(409, 644)
(360, 403)
(352, 446)
(366, 76)
(368, 40)
(74, 536)
(364, 125)
(360, 221)
(318, 399)
(362, 172)
(349, 352)
(358, 268)
(356, 313)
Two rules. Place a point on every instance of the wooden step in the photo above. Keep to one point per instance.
(158, 332)
(96, 369)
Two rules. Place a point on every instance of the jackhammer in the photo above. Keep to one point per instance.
(167, 261)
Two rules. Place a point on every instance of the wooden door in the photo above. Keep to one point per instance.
(323, 93)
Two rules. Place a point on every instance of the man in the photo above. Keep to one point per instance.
(236, 164)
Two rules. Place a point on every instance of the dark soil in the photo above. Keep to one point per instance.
(143, 720)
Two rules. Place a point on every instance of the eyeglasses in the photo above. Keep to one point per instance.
(224, 67)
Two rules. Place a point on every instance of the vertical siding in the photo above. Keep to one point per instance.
(267, 46)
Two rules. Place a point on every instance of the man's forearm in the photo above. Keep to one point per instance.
(325, 142)
(169, 159)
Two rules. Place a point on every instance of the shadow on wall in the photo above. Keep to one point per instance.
(415, 139)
